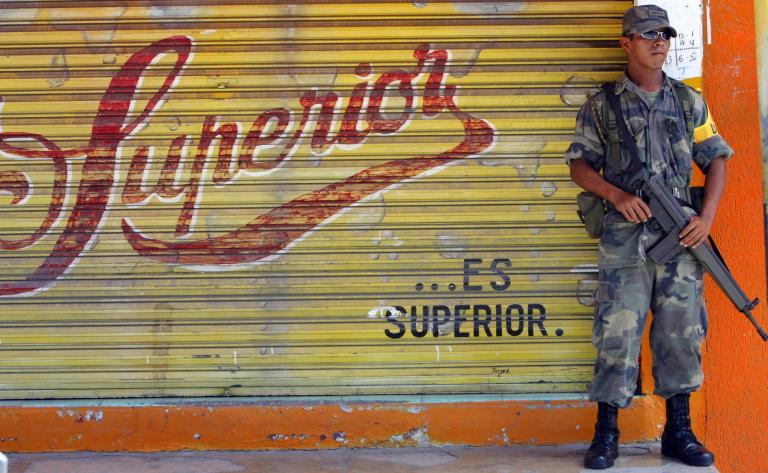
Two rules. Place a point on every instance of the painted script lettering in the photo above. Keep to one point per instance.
(278, 128)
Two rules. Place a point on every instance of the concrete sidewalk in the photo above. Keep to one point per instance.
(639, 458)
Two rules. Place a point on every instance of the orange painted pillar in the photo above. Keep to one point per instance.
(736, 387)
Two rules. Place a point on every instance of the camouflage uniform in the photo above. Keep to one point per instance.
(629, 283)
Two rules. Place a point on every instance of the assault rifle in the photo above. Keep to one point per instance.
(670, 219)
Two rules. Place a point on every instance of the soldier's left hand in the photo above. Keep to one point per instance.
(696, 232)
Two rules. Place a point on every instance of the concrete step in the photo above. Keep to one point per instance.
(636, 458)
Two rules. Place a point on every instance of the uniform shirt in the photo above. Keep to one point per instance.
(663, 146)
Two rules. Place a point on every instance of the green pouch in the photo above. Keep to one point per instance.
(591, 212)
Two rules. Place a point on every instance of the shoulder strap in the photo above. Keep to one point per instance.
(613, 159)
(685, 99)
(626, 140)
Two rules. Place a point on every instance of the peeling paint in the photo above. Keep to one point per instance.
(106, 36)
(383, 311)
(525, 156)
(462, 62)
(490, 8)
(451, 245)
(173, 123)
(417, 436)
(505, 436)
(549, 405)
(369, 216)
(58, 71)
(586, 291)
(548, 188)
(321, 82)
(95, 416)
(576, 90)
(18, 14)
(170, 12)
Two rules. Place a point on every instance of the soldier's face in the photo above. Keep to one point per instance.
(646, 53)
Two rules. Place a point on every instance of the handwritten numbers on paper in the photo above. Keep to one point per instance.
(684, 51)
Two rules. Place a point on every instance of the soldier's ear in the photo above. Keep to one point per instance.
(625, 43)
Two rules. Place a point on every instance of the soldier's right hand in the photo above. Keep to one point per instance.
(632, 207)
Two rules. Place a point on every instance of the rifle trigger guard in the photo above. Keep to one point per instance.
(654, 225)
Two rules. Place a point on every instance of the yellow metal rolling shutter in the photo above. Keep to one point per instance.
(310, 198)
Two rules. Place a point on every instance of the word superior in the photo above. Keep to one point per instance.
(256, 241)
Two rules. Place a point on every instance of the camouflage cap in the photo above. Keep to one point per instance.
(644, 18)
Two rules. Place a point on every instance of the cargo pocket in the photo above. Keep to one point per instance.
(682, 157)
(607, 298)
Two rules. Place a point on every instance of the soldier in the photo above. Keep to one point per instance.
(672, 128)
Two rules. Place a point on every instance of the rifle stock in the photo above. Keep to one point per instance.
(670, 219)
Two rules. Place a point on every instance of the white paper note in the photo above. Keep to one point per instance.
(686, 51)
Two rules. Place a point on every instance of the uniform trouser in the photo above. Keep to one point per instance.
(673, 293)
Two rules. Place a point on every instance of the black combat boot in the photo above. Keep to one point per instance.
(605, 445)
(678, 440)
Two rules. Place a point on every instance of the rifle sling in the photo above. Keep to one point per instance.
(626, 139)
